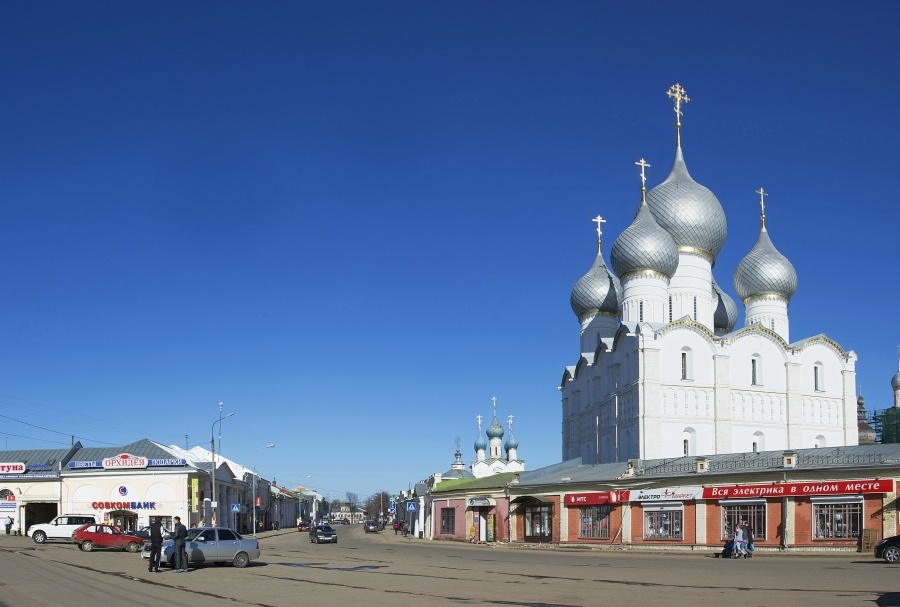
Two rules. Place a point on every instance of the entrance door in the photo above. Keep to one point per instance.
(124, 520)
(538, 527)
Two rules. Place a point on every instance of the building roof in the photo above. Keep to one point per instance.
(488, 482)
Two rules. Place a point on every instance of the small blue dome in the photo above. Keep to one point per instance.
(480, 443)
(512, 442)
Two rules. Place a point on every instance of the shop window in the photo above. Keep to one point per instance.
(663, 525)
(594, 522)
(448, 521)
(733, 514)
(537, 523)
(841, 521)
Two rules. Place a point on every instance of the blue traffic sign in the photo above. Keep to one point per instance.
(235, 507)
(410, 506)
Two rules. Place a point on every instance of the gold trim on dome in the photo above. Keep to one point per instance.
(696, 252)
(765, 297)
(645, 274)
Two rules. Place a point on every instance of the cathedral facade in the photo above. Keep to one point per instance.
(663, 372)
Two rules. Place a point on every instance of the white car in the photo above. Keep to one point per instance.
(60, 528)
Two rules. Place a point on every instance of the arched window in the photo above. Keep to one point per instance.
(820, 442)
(640, 311)
(689, 441)
(818, 377)
(755, 371)
(670, 308)
(759, 442)
(695, 307)
(687, 364)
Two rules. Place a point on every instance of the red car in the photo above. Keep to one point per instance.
(303, 527)
(94, 535)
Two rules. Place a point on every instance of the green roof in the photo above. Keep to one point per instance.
(497, 481)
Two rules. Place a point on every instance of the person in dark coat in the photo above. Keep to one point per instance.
(156, 540)
(179, 534)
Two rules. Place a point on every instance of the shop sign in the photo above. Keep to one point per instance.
(481, 501)
(124, 460)
(126, 463)
(590, 499)
(123, 505)
(661, 494)
(12, 468)
(852, 487)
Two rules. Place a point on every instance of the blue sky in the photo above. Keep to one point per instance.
(356, 222)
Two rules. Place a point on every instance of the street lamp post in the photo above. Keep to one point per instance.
(212, 444)
(253, 505)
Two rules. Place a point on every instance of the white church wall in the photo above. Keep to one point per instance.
(699, 351)
(770, 360)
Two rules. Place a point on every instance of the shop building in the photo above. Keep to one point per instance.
(128, 485)
(840, 499)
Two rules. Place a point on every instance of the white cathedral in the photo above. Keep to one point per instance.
(664, 373)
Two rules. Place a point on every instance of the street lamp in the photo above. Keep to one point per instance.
(212, 443)
(253, 505)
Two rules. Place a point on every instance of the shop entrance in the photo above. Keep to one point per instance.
(124, 520)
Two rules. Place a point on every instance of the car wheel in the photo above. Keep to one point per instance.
(39, 536)
(892, 554)
(335, 540)
(242, 559)
(87, 546)
(133, 547)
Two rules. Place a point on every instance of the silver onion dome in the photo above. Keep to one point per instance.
(726, 311)
(895, 381)
(765, 271)
(688, 211)
(596, 291)
(644, 245)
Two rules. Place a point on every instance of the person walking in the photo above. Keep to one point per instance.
(738, 542)
(156, 540)
(179, 534)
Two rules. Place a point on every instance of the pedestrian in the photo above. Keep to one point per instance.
(748, 539)
(156, 540)
(202, 521)
(9, 524)
(738, 542)
(396, 527)
(180, 536)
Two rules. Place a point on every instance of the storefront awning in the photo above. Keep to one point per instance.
(537, 498)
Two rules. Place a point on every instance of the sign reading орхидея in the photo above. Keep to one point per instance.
(878, 485)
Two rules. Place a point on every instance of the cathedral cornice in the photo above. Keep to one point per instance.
(695, 252)
(645, 274)
(823, 340)
(765, 297)
(757, 328)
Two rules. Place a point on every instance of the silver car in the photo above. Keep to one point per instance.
(210, 545)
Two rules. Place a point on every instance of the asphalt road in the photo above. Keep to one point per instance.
(382, 569)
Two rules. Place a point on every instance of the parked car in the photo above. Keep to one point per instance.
(94, 535)
(371, 526)
(144, 534)
(888, 549)
(60, 528)
(210, 545)
(303, 527)
(322, 533)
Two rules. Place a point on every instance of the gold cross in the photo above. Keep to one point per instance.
(677, 93)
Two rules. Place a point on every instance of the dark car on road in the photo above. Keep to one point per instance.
(371, 526)
(302, 526)
(888, 549)
(322, 533)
